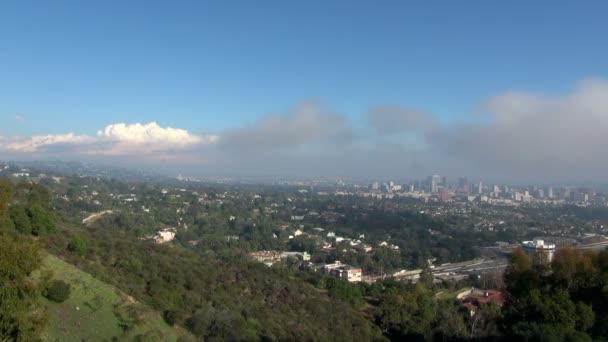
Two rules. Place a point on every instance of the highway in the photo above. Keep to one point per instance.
(481, 265)
(476, 265)
(595, 246)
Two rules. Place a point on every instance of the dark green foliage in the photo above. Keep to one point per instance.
(485, 321)
(33, 194)
(58, 291)
(31, 220)
(171, 316)
(412, 313)
(217, 299)
(6, 193)
(29, 210)
(78, 245)
(40, 220)
(21, 219)
(567, 303)
(345, 291)
(21, 318)
(205, 281)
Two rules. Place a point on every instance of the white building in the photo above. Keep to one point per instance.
(343, 271)
(534, 248)
(165, 235)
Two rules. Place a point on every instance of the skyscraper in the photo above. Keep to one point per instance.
(463, 185)
(434, 182)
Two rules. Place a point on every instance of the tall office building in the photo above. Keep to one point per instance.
(540, 193)
(480, 188)
(463, 185)
(434, 182)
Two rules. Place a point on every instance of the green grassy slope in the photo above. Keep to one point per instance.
(97, 311)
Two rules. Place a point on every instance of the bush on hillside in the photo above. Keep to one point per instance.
(58, 291)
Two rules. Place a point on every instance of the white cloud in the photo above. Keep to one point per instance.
(526, 136)
(152, 133)
(116, 139)
(35, 143)
(140, 139)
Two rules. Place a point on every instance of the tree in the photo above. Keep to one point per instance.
(6, 193)
(344, 290)
(449, 320)
(21, 220)
(78, 245)
(58, 291)
(519, 276)
(21, 318)
(426, 278)
(520, 261)
(41, 221)
(484, 321)
(408, 315)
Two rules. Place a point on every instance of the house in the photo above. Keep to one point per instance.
(343, 271)
(21, 174)
(165, 235)
(266, 257)
(475, 298)
(304, 256)
(364, 247)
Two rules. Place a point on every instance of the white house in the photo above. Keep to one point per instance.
(165, 235)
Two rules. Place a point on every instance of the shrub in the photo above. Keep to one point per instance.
(58, 291)
(78, 245)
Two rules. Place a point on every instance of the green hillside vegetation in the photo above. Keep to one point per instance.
(22, 317)
(224, 296)
(96, 311)
(228, 298)
(217, 299)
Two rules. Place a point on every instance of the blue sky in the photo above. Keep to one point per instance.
(212, 66)
(209, 65)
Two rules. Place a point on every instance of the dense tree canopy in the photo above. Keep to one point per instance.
(21, 317)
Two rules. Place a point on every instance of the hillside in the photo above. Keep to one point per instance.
(97, 311)
(227, 298)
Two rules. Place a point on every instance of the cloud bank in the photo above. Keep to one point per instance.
(118, 139)
(306, 123)
(520, 135)
(537, 135)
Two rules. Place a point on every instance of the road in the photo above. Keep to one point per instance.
(476, 265)
(482, 265)
(595, 246)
